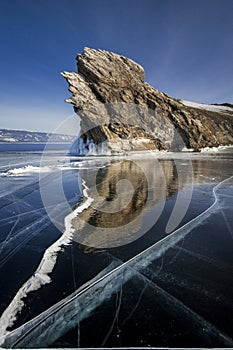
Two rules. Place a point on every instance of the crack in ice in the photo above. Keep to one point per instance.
(41, 275)
(139, 261)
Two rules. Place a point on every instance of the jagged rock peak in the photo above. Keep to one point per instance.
(108, 67)
(105, 76)
(122, 112)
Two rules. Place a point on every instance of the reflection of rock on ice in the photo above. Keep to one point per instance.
(114, 219)
(147, 190)
(65, 315)
(116, 216)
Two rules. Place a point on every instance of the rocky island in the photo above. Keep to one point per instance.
(120, 112)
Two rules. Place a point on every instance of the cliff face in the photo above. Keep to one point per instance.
(120, 112)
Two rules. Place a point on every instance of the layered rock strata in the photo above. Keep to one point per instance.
(120, 112)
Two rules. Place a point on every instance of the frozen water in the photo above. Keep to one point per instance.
(59, 319)
(166, 287)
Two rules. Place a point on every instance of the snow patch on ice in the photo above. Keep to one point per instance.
(29, 170)
(26, 170)
(185, 149)
(215, 149)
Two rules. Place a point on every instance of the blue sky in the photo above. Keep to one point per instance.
(185, 47)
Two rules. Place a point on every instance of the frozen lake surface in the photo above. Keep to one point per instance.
(131, 251)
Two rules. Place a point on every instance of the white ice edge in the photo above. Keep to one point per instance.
(215, 149)
(208, 149)
(26, 170)
(46, 266)
(29, 170)
(151, 253)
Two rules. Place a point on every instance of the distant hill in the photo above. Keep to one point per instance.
(224, 104)
(8, 135)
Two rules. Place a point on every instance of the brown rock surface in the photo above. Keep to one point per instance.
(120, 112)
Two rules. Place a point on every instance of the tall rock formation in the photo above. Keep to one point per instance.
(120, 112)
